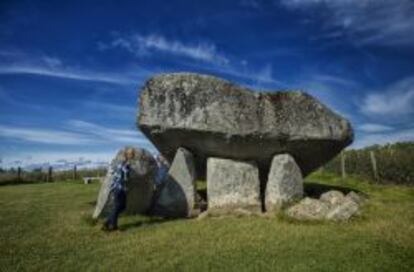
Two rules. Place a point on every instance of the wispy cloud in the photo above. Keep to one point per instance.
(45, 136)
(79, 135)
(259, 77)
(384, 138)
(59, 160)
(209, 57)
(367, 21)
(76, 132)
(395, 100)
(374, 128)
(109, 134)
(141, 45)
(54, 67)
(335, 80)
(115, 110)
(65, 73)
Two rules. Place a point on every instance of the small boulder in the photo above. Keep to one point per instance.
(333, 197)
(232, 185)
(177, 194)
(284, 184)
(309, 209)
(355, 197)
(140, 184)
(343, 211)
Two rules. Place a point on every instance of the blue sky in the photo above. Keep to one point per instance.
(70, 71)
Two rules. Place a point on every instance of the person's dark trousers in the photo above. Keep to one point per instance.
(119, 206)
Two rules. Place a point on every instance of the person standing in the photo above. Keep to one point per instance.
(162, 171)
(118, 190)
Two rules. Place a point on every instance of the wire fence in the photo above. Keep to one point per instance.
(48, 174)
(392, 163)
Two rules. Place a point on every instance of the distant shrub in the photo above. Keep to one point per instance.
(395, 163)
(11, 176)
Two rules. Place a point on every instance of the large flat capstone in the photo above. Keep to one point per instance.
(232, 185)
(177, 194)
(215, 118)
(140, 184)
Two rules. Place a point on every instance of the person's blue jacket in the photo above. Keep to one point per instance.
(120, 177)
(162, 172)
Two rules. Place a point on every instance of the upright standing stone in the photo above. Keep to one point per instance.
(285, 182)
(232, 185)
(140, 183)
(177, 196)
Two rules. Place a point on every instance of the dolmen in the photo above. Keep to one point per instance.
(253, 148)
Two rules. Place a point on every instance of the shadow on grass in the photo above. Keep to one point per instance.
(92, 203)
(19, 182)
(315, 190)
(145, 223)
(88, 220)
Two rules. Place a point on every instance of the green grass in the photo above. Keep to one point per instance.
(46, 227)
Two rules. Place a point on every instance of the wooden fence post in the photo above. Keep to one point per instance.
(74, 172)
(49, 174)
(374, 165)
(19, 173)
(343, 168)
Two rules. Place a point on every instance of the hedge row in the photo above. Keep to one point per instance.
(394, 163)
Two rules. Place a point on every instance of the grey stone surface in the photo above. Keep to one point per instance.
(232, 185)
(284, 183)
(177, 196)
(215, 118)
(309, 209)
(332, 205)
(355, 197)
(333, 197)
(343, 211)
(140, 184)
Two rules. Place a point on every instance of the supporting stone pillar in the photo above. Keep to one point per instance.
(177, 196)
(232, 186)
(284, 184)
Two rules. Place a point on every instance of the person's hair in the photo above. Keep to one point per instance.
(127, 151)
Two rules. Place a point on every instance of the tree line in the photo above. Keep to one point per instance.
(390, 163)
(18, 175)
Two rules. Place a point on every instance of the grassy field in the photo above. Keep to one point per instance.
(46, 227)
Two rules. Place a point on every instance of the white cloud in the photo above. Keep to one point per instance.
(383, 138)
(54, 67)
(259, 76)
(335, 80)
(366, 21)
(77, 132)
(140, 45)
(373, 128)
(81, 135)
(125, 136)
(66, 73)
(52, 61)
(115, 110)
(59, 160)
(45, 136)
(397, 99)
